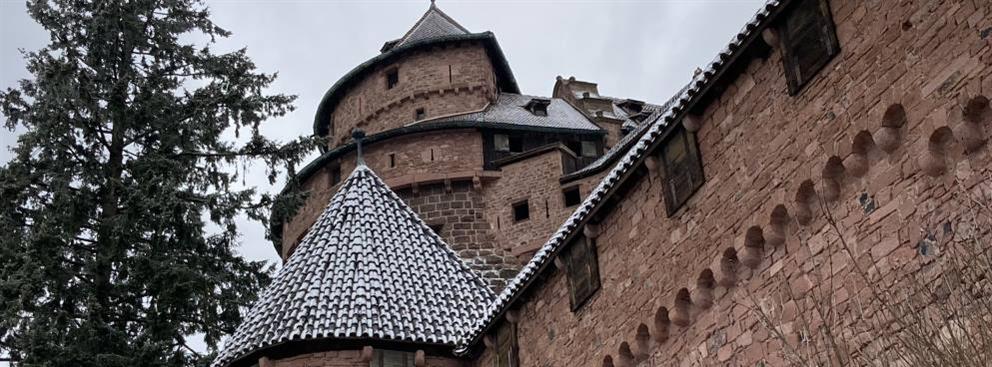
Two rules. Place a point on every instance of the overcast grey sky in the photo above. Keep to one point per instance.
(638, 49)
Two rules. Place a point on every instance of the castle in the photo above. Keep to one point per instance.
(452, 221)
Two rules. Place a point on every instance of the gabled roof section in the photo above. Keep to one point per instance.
(369, 269)
(511, 110)
(434, 23)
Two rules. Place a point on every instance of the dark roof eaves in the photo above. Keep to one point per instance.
(507, 82)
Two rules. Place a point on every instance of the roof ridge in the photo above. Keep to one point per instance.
(433, 9)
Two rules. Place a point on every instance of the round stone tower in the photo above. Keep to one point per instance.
(449, 132)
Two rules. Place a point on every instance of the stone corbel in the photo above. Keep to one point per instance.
(692, 122)
(513, 316)
(419, 359)
(366, 353)
(590, 230)
(770, 36)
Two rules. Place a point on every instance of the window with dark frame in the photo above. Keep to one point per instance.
(334, 175)
(392, 78)
(419, 114)
(682, 168)
(571, 196)
(501, 142)
(808, 42)
(582, 270)
(391, 358)
(588, 149)
(506, 346)
(521, 211)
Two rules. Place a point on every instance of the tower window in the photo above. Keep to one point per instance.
(538, 106)
(392, 160)
(420, 114)
(392, 78)
(683, 171)
(391, 358)
(582, 270)
(588, 149)
(808, 42)
(571, 196)
(507, 143)
(521, 211)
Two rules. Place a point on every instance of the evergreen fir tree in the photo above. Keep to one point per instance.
(105, 256)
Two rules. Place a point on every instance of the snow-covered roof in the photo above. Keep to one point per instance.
(369, 268)
(510, 109)
(631, 158)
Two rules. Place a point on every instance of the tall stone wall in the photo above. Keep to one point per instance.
(878, 134)
(443, 81)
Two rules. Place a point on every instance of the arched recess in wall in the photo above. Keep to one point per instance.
(625, 357)
(833, 179)
(754, 247)
(662, 325)
(778, 226)
(682, 308)
(934, 160)
(642, 345)
(805, 200)
(728, 267)
(977, 118)
(705, 284)
(608, 361)
(888, 136)
(862, 149)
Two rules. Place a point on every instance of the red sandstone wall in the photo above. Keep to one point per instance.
(348, 358)
(418, 158)
(536, 180)
(759, 145)
(424, 82)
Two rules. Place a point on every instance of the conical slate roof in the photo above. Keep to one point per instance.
(434, 23)
(368, 269)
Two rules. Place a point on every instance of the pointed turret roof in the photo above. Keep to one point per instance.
(368, 269)
(434, 23)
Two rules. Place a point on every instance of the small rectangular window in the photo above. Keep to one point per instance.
(419, 114)
(516, 144)
(682, 168)
(506, 346)
(572, 196)
(392, 78)
(521, 211)
(392, 160)
(588, 149)
(334, 174)
(391, 358)
(808, 42)
(582, 270)
(501, 142)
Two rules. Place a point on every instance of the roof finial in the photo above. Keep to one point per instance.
(358, 135)
(432, 3)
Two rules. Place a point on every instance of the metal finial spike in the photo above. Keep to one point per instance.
(358, 135)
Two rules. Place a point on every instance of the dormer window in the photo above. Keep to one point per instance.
(392, 78)
(632, 106)
(538, 106)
